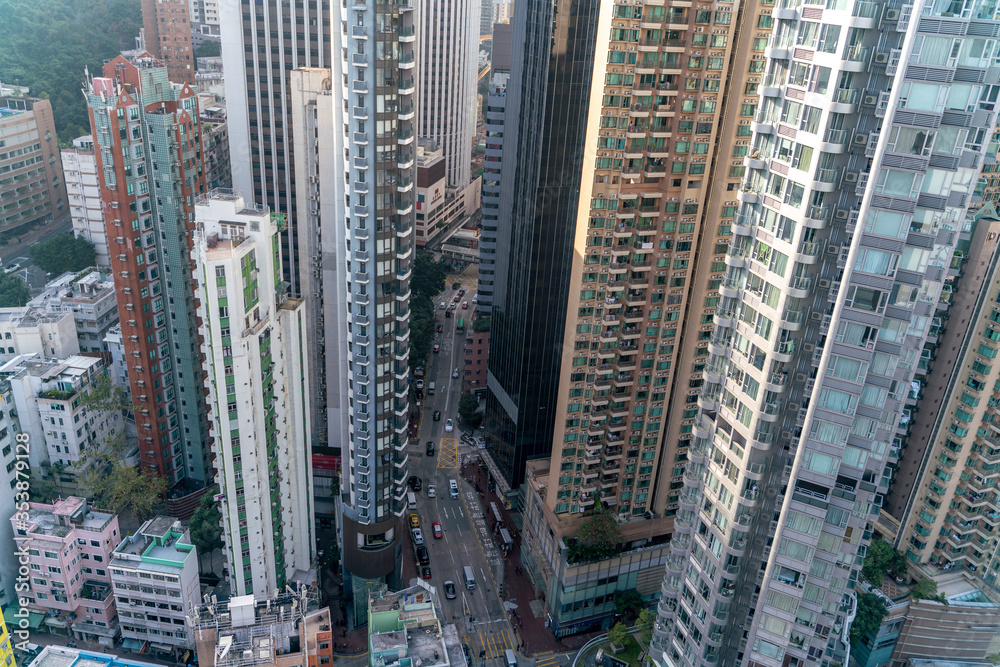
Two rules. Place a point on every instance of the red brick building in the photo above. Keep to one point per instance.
(167, 24)
(477, 352)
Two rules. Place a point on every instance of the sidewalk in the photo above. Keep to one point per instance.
(533, 637)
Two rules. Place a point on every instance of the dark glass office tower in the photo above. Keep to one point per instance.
(546, 122)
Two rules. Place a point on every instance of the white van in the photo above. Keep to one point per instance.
(411, 500)
(453, 488)
(470, 578)
(430, 388)
(511, 658)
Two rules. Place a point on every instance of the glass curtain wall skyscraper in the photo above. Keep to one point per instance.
(866, 148)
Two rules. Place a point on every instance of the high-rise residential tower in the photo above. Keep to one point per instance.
(865, 151)
(167, 28)
(83, 190)
(494, 106)
(448, 52)
(660, 164)
(362, 181)
(544, 132)
(943, 494)
(256, 369)
(262, 42)
(148, 145)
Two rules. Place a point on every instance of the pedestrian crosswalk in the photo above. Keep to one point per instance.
(490, 643)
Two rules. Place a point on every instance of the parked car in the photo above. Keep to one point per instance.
(425, 573)
(449, 426)
(422, 556)
(414, 482)
(420, 384)
(418, 537)
(449, 592)
(414, 521)
(438, 533)
(14, 267)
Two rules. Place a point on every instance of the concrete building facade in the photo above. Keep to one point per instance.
(255, 343)
(447, 48)
(374, 120)
(83, 192)
(261, 44)
(149, 144)
(849, 213)
(167, 28)
(154, 578)
(47, 394)
(69, 546)
(289, 630)
(90, 296)
(32, 188)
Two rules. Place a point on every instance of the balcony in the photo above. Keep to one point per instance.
(856, 58)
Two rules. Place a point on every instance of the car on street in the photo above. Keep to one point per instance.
(425, 572)
(468, 654)
(442, 306)
(420, 384)
(449, 591)
(418, 537)
(465, 305)
(437, 348)
(456, 299)
(480, 442)
(475, 298)
(461, 292)
(454, 373)
(422, 556)
(437, 415)
(414, 482)
(447, 313)
(14, 267)
(420, 394)
(431, 491)
(438, 533)
(456, 285)
(453, 488)
(449, 426)
(440, 328)
(430, 448)
(414, 521)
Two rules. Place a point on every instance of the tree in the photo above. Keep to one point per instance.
(13, 291)
(62, 253)
(645, 626)
(481, 324)
(618, 634)
(882, 558)
(597, 539)
(628, 603)
(468, 409)
(48, 43)
(871, 611)
(205, 528)
(427, 282)
(208, 49)
(925, 589)
(106, 468)
(428, 275)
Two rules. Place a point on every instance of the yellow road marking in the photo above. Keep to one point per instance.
(543, 662)
(506, 640)
(482, 643)
(495, 653)
(448, 453)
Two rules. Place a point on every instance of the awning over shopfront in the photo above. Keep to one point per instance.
(131, 644)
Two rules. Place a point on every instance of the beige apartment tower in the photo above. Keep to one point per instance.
(672, 95)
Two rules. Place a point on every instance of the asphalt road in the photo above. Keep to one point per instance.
(479, 614)
(17, 253)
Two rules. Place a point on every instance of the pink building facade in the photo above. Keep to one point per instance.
(69, 545)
